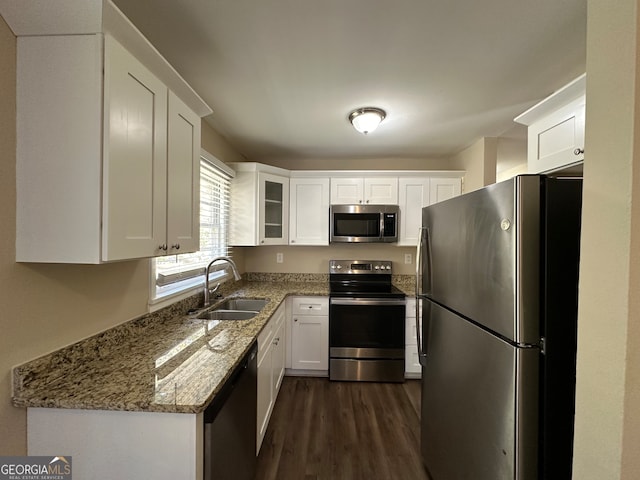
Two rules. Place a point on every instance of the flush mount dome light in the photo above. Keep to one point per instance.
(366, 120)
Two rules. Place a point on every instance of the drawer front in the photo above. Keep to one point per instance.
(310, 306)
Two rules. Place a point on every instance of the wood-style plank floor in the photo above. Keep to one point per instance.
(322, 430)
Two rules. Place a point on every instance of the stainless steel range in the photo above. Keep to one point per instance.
(366, 322)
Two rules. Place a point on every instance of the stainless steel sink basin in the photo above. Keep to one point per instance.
(249, 304)
(227, 315)
(235, 309)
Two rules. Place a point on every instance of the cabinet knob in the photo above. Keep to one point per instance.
(163, 247)
(578, 151)
(176, 246)
(295, 319)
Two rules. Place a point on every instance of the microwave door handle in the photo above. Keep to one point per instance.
(382, 226)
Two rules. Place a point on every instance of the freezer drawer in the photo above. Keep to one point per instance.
(479, 402)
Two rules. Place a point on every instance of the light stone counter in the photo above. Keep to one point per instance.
(162, 362)
(166, 361)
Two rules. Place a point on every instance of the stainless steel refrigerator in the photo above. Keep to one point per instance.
(497, 282)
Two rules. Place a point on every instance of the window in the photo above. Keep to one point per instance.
(178, 276)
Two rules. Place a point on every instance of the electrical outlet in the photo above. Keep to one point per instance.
(407, 258)
(279, 257)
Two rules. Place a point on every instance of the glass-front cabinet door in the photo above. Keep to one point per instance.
(274, 209)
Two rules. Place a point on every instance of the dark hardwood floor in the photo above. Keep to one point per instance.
(343, 430)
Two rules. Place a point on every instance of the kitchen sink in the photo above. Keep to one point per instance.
(235, 309)
(249, 304)
(228, 315)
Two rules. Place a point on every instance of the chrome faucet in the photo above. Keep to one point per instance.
(207, 290)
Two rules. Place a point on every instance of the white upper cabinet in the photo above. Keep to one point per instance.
(556, 129)
(183, 178)
(107, 164)
(413, 195)
(273, 209)
(135, 158)
(309, 211)
(416, 192)
(444, 188)
(362, 190)
(259, 205)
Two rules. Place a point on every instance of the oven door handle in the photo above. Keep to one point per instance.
(366, 301)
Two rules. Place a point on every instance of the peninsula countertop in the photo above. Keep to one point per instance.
(172, 363)
(168, 362)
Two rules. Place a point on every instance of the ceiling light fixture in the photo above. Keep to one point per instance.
(366, 120)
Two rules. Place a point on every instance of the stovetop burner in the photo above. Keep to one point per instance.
(362, 278)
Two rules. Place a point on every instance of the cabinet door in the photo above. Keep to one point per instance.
(413, 194)
(309, 211)
(443, 189)
(310, 342)
(273, 210)
(135, 158)
(264, 398)
(278, 358)
(558, 139)
(183, 181)
(381, 191)
(347, 191)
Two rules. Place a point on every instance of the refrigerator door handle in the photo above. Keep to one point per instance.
(422, 355)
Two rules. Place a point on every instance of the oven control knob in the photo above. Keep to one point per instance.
(377, 267)
(339, 267)
(388, 267)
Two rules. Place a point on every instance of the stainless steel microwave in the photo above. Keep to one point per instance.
(363, 223)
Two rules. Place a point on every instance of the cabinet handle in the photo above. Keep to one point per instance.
(163, 247)
(295, 319)
(176, 246)
(293, 241)
(578, 151)
(276, 340)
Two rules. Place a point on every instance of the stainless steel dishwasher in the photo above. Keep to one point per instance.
(230, 425)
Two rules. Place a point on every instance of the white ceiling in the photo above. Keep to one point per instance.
(282, 75)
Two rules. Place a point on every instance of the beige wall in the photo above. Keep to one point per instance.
(511, 158)
(608, 375)
(316, 259)
(479, 163)
(217, 145)
(365, 164)
(45, 307)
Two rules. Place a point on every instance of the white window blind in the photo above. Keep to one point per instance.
(175, 274)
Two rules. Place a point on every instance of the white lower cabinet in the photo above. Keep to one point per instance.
(412, 367)
(310, 334)
(157, 445)
(271, 363)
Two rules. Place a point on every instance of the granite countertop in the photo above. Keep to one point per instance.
(162, 362)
